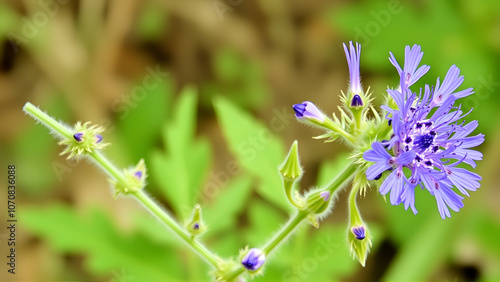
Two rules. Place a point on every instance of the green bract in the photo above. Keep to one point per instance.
(291, 171)
(135, 179)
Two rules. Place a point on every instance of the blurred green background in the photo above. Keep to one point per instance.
(202, 90)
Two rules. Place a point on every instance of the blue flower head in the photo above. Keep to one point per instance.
(429, 140)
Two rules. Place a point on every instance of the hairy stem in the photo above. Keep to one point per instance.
(164, 217)
(140, 195)
(334, 187)
(284, 232)
(47, 120)
(342, 179)
(291, 226)
(337, 128)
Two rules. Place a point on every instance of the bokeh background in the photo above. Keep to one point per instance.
(202, 90)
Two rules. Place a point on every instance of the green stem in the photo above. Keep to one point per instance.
(140, 196)
(289, 192)
(284, 232)
(143, 198)
(358, 114)
(339, 182)
(275, 241)
(355, 217)
(108, 166)
(200, 249)
(335, 127)
(342, 179)
(47, 120)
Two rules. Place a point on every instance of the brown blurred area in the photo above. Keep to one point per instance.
(90, 51)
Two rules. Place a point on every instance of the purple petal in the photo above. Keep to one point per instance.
(377, 169)
(406, 157)
(309, 111)
(254, 259)
(408, 198)
(463, 179)
(353, 56)
(359, 232)
(394, 184)
(78, 136)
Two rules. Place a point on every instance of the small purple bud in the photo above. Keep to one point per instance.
(299, 110)
(196, 226)
(98, 138)
(325, 195)
(359, 232)
(254, 259)
(308, 110)
(138, 174)
(356, 101)
(78, 136)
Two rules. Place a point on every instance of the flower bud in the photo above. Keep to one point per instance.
(291, 167)
(196, 226)
(358, 235)
(86, 139)
(290, 171)
(356, 101)
(307, 111)
(78, 136)
(359, 240)
(135, 179)
(359, 232)
(253, 260)
(98, 138)
(318, 202)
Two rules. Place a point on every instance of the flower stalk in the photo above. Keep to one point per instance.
(61, 130)
(120, 179)
(298, 218)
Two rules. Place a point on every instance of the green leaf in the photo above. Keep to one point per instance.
(182, 127)
(264, 221)
(222, 213)
(239, 80)
(228, 244)
(181, 170)
(255, 147)
(106, 248)
(418, 257)
(141, 114)
(150, 227)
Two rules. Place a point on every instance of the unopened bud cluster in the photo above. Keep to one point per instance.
(196, 226)
(86, 139)
(315, 202)
(135, 179)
